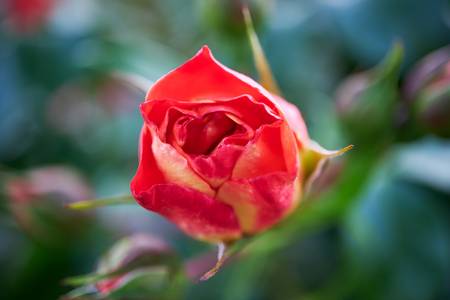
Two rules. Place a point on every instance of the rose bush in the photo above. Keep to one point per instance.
(219, 155)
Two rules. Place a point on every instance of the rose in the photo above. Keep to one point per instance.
(37, 200)
(27, 15)
(219, 154)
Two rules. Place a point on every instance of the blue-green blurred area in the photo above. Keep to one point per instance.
(71, 78)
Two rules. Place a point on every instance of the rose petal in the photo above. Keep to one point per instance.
(195, 213)
(161, 163)
(294, 119)
(217, 167)
(262, 201)
(244, 107)
(272, 150)
(265, 183)
(204, 78)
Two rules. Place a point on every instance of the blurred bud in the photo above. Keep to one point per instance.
(427, 91)
(366, 101)
(26, 16)
(137, 267)
(52, 181)
(81, 104)
(37, 200)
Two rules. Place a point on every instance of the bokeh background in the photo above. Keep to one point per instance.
(378, 223)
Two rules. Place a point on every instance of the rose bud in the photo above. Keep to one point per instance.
(366, 102)
(134, 268)
(37, 200)
(427, 90)
(219, 155)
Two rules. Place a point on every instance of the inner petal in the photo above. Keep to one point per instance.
(200, 136)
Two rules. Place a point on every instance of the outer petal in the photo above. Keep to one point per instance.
(147, 174)
(265, 184)
(261, 202)
(164, 183)
(274, 149)
(198, 215)
(218, 166)
(175, 167)
(204, 78)
(161, 163)
(294, 118)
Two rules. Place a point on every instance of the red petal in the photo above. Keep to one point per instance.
(294, 119)
(265, 184)
(198, 215)
(216, 167)
(261, 202)
(272, 150)
(204, 78)
(244, 107)
(161, 163)
(108, 285)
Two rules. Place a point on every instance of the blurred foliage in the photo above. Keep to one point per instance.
(377, 229)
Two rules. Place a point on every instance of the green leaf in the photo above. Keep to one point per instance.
(87, 279)
(266, 78)
(369, 114)
(96, 203)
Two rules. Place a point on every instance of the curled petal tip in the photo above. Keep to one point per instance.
(339, 152)
(324, 153)
(205, 51)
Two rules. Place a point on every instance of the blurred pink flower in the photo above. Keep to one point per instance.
(28, 15)
(52, 181)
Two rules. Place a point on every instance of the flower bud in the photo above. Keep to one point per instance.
(37, 200)
(134, 268)
(427, 91)
(366, 101)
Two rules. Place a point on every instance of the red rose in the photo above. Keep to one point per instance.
(219, 154)
(26, 15)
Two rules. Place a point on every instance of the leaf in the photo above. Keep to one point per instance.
(142, 283)
(87, 279)
(390, 66)
(313, 160)
(87, 292)
(266, 77)
(96, 203)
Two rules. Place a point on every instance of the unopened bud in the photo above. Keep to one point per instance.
(427, 91)
(366, 101)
